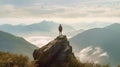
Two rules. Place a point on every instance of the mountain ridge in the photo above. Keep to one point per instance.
(42, 27)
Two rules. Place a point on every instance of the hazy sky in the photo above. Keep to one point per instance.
(79, 13)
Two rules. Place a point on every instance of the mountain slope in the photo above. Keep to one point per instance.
(107, 38)
(114, 27)
(17, 45)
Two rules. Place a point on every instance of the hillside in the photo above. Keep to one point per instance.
(14, 44)
(106, 38)
(13, 60)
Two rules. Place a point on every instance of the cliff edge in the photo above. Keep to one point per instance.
(57, 53)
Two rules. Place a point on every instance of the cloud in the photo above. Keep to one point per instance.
(12, 11)
(59, 8)
(58, 11)
(17, 2)
(104, 54)
(92, 54)
(59, 2)
(83, 12)
(77, 2)
(38, 40)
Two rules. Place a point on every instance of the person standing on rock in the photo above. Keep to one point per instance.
(60, 29)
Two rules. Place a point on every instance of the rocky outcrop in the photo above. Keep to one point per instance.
(57, 53)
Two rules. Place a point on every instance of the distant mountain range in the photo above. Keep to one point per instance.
(14, 44)
(108, 38)
(42, 28)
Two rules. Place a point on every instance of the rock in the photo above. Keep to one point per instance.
(57, 53)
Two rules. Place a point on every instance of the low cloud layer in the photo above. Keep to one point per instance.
(92, 54)
(39, 41)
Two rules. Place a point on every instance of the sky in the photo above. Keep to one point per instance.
(78, 13)
(81, 14)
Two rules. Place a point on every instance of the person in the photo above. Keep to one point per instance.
(60, 29)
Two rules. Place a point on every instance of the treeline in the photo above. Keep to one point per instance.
(13, 60)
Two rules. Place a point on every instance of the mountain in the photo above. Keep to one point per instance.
(114, 27)
(14, 44)
(42, 28)
(57, 53)
(75, 32)
(106, 38)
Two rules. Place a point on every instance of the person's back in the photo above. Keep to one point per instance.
(60, 29)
